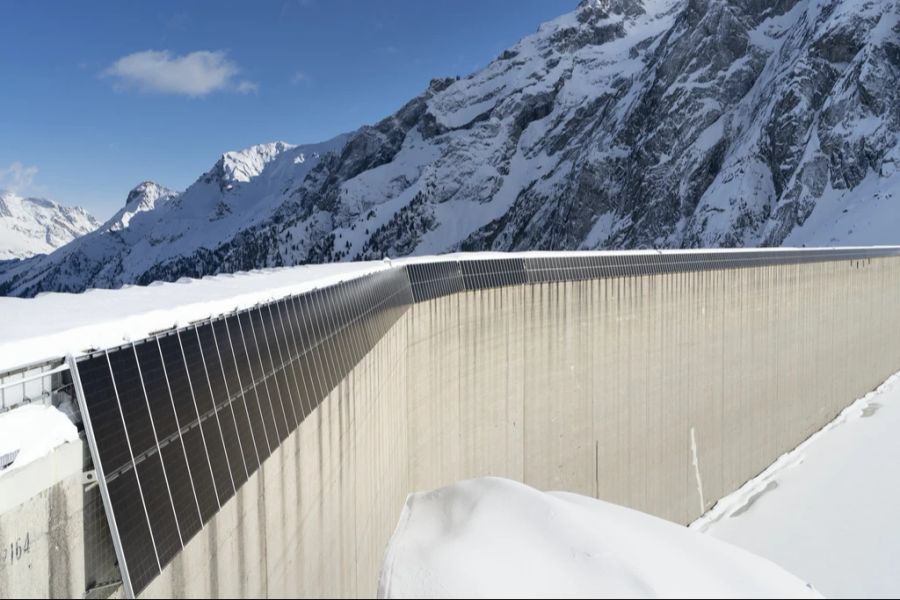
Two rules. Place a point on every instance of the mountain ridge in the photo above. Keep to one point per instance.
(622, 124)
(30, 226)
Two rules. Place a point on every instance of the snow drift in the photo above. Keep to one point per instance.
(494, 537)
(29, 432)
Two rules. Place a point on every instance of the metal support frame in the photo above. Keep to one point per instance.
(89, 478)
(36, 376)
(101, 478)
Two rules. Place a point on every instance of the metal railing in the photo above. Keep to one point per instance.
(45, 383)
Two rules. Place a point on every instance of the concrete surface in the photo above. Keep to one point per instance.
(41, 518)
(660, 392)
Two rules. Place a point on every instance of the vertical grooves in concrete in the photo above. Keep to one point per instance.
(635, 389)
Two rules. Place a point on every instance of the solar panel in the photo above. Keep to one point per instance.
(304, 316)
(274, 342)
(434, 280)
(218, 389)
(105, 417)
(162, 412)
(132, 525)
(132, 401)
(288, 355)
(160, 513)
(179, 421)
(206, 411)
(320, 343)
(299, 353)
(247, 385)
(234, 391)
(187, 419)
(260, 384)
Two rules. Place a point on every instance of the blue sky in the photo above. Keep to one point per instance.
(98, 96)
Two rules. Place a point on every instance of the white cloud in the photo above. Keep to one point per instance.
(301, 78)
(17, 177)
(247, 87)
(196, 74)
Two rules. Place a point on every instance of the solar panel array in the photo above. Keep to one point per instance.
(179, 421)
(441, 278)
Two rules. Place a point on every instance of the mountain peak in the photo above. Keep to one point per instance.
(147, 192)
(31, 226)
(145, 196)
(244, 165)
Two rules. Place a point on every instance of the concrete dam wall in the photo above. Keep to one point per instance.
(657, 381)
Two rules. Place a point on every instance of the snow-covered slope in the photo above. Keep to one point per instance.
(163, 234)
(31, 226)
(623, 124)
(496, 538)
(827, 510)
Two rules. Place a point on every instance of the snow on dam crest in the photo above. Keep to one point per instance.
(661, 382)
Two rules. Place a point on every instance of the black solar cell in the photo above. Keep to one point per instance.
(198, 462)
(246, 381)
(289, 355)
(249, 445)
(187, 512)
(212, 365)
(325, 346)
(155, 489)
(103, 409)
(264, 401)
(310, 358)
(244, 377)
(226, 356)
(133, 529)
(212, 435)
(158, 397)
(238, 407)
(252, 402)
(258, 330)
(179, 383)
(301, 368)
(130, 390)
(271, 368)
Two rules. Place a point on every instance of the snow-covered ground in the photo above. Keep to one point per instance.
(829, 511)
(52, 325)
(497, 538)
(30, 432)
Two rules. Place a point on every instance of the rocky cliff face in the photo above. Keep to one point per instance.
(30, 226)
(662, 123)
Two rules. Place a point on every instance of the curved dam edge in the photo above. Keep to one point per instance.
(661, 382)
(659, 392)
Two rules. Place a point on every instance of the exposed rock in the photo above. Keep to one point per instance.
(623, 124)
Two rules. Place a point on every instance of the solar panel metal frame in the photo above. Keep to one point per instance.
(98, 467)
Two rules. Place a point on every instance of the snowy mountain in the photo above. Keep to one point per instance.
(663, 123)
(31, 226)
